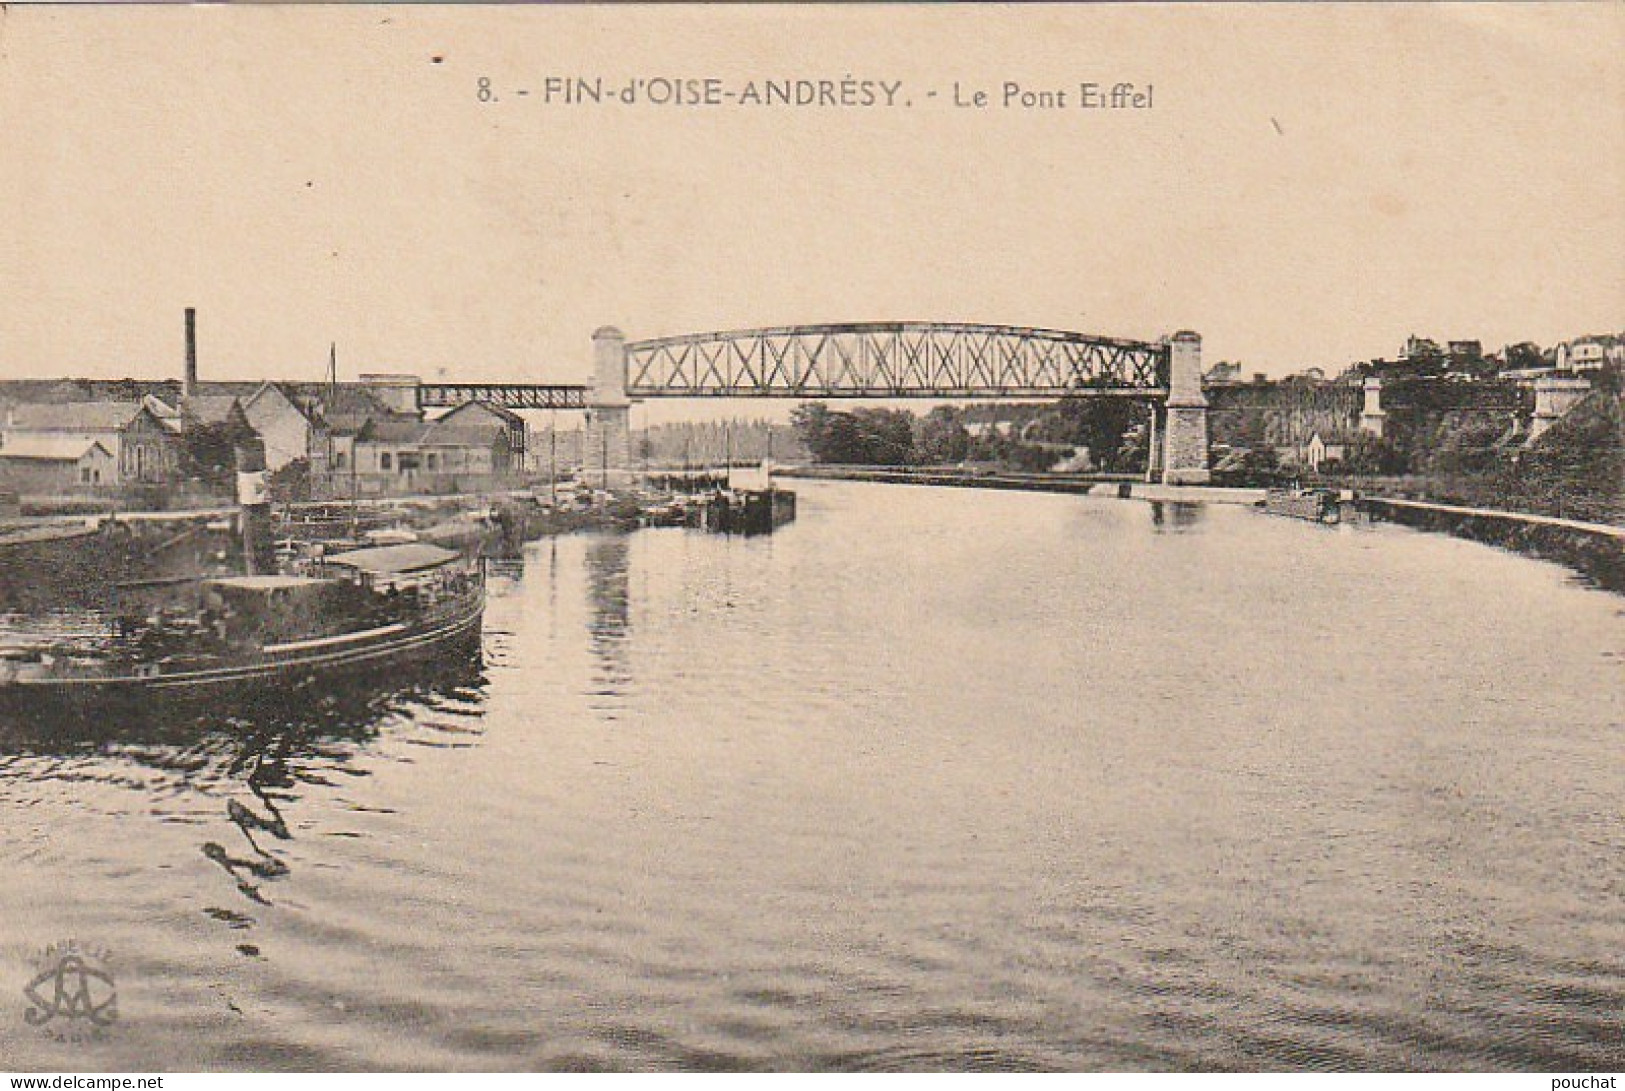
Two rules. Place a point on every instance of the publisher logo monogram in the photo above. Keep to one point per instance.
(72, 995)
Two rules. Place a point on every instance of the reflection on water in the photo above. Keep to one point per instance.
(931, 779)
(609, 591)
(1175, 516)
(254, 762)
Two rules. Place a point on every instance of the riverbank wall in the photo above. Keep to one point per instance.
(1125, 488)
(1596, 550)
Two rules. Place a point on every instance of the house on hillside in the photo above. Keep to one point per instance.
(1466, 357)
(54, 463)
(1589, 353)
(145, 450)
(1319, 451)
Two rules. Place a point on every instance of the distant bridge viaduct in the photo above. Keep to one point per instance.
(872, 360)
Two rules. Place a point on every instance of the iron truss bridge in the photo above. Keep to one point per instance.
(895, 360)
(507, 395)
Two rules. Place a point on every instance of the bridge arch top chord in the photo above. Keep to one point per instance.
(896, 360)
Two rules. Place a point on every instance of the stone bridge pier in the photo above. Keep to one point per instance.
(606, 457)
(1555, 395)
(1373, 417)
(1184, 435)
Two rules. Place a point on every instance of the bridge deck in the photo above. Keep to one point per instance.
(507, 395)
(876, 360)
(1012, 393)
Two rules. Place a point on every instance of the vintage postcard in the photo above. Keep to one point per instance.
(833, 538)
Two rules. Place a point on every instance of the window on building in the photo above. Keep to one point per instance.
(385, 462)
(338, 460)
(84, 475)
(434, 462)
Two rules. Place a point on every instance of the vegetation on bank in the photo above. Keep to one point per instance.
(713, 443)
(1445, 445)
(1108, 435)
(1575, 471)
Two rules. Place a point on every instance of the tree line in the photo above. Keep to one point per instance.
(1107, 434)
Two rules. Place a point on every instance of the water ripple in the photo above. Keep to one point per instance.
(928, 782)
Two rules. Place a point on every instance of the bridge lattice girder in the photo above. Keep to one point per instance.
(507, 395)
(895, 360)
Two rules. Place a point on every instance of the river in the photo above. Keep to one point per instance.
(930, 779)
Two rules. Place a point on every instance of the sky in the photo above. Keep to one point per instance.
(1309, 186)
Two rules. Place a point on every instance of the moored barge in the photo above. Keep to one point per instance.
(1316, 505)
(262, 637)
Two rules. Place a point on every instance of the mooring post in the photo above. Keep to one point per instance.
(1185, 456)
(254, 507)
(553, 461)
(1153, 450)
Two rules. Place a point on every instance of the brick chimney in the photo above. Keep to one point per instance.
(189, 387)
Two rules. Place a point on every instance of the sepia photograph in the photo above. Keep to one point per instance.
(832, 538)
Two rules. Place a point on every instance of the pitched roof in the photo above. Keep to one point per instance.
(167, 414)
(501, 412)
(81, 390)
(222, 388)
(281, 390)
(209, 408)
(406, 557)
(451, 435)
(51, 447)
(105, 416)
(1335, 432)
(161, 409)
(389, 430)
(432, 433)
(343, 408)
(272, 582)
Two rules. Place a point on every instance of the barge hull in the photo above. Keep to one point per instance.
(278, 680)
